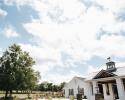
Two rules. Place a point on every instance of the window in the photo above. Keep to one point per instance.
(71, 91)
(64, 91)
(92, 88)
(81, 91)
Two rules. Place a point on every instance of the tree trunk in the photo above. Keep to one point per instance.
(6, 94)
(11, 93)
(17, 91)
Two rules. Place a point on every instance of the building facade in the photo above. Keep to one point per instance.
(106, 84)
(74, 87)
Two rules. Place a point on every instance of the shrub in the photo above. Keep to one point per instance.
(79, 96)
(72, 97)
(85, 97)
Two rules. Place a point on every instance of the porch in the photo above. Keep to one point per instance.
(110, 88)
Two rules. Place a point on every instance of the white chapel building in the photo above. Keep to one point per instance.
(106, 84)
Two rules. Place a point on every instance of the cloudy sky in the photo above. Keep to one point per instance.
(66, 38)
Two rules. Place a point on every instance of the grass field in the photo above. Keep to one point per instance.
(35, 97)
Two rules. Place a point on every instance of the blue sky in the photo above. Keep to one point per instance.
(66, 38)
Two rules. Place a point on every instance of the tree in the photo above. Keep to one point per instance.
(61, 86)
(50, 86)
(46, 86)
(55, 88)
(16, 72)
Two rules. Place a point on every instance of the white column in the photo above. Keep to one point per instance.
(104, 91)
(94, 83)
(120, 88)
(94, 87)
(89, 91)
(111, 92)
(111, 95)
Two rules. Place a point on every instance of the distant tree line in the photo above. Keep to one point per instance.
(46, 86)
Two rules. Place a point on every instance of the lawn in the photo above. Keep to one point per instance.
(35, 97)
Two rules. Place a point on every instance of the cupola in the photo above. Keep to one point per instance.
(110, 65)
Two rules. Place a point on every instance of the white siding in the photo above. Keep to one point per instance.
(74, 84)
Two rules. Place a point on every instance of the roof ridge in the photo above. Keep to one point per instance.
(78, 77)
(120, 67)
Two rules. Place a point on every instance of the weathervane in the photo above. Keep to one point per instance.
(109, 59)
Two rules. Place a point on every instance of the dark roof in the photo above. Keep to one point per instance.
(104, 74)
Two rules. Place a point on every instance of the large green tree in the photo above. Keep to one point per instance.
(16, 70)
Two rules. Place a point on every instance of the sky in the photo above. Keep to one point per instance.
(66, 38)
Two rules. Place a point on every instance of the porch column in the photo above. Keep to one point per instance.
(109, 96)
(120, 88)
(94, 83)
(111, 92)
(89, 91)
(104, 91)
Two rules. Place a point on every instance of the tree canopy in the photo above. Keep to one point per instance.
(46, 86)
(16, 70)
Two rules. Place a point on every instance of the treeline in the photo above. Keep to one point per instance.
(46, 86)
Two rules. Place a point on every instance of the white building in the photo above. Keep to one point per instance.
(106, 84)
(75, 86)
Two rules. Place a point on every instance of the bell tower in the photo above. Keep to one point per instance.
(110, 65)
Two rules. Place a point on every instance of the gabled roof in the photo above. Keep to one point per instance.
(104, 74)
(80, 78)
(76, 80)
(120, 71)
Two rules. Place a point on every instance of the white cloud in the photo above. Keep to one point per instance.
(92, 69)
(45, 58)
(54, 8)
(9, 31)
(18, 2)
(69, 26)
(2, 12)
(79, 38)
(112, 5)
(57, 78)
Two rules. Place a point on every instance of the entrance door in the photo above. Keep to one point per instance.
(100, 89)
(99, 95)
